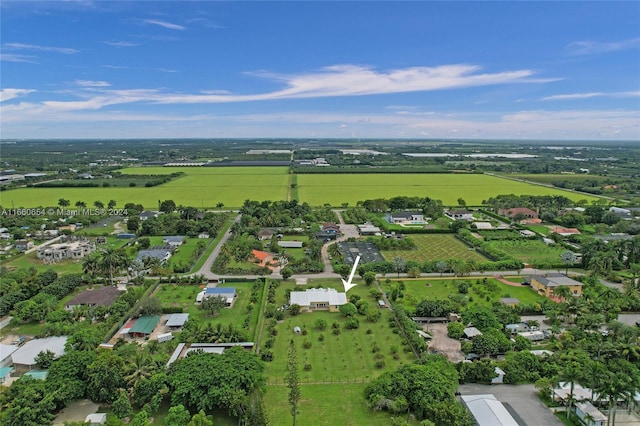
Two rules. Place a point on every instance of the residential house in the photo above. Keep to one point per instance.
(173, 240)
(226, 293)
(263, 258)
(5, 354)
(546, 285)
(77, 249)
(24, 357)
(521, 212)
(533, 336)
(368, 229)
(148, 214)
(621, 213)
(488, 411)
(204, 235)
(326, 236)
(103, 296)
(406, 218)
(330, 228)
(318, 299)
(590, 415)
(459, 214)
(24, 245)
(265, 234)
(162, 254)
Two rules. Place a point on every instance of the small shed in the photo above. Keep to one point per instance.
(471, 332)
(144, 326)
(165, 337)
(95, 419)
(500, 378)
(176, 321)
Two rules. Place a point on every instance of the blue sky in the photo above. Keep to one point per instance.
(171, 69)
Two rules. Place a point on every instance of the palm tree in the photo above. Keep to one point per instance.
(572, 372)
(63, 202)
(81, 204)
(91, 264)
(111, 260)
(141, 367)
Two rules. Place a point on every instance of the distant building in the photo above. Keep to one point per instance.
(621, 213)
(173, 240)
(176, 321)
(590, 415)
(24, 358)
(144, 326)
(459, 214)
(78, 249)
(331, 228)
(290, 244)
(546, 285)
(24, 245)
(406, 218)
(103, 296)
(226, 293)
(523, 212)
(265, 234)
(147, 214)
(471, 332)
(368, 229)
(161, 254)
(488, 411)
(318, 299)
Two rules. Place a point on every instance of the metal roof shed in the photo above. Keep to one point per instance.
(145, 325)
(177, 320)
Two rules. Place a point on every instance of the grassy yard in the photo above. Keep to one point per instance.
(531, 252)
(184, 253)
(435, 247)
(347, 356)
(173, 295)
(439, 289)
(337, 404)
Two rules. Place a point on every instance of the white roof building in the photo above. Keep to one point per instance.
(318, 298)
(5, 354)
(26, 354)
(488, 411)
(177, 320)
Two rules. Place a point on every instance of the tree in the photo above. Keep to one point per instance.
(442, 267)
(167, 206)
(572, 371)
(230, 378)
(369, 278)
(44, 359)
(286, 273)
(213, 305)
(133, 223)
(121, 406)
(111, 204)
(98, 204)
(81, 204)
(455, 330)
(292, 381)
(141, 419)
(178, 416)
(400, 264)
(63, 202)
(141, 367)
(201, 419)
(569, 259)
(348, 309)
(462, 202)
(150, 306)
(105, 377)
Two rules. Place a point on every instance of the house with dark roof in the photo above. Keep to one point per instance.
(265, 234)
(330, 228)
(161, 254)
(103, 296)
(546, 284)
(147, 215)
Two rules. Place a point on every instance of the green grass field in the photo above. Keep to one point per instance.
(347, 356)
(440, 289)
(184, 296)
(208, 186)
(435, 247)
(337, 404)
(531, 252)
(336, 189)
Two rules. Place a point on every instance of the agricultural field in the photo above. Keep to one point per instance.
(336, 189)
(208, 186)
(348, 356)
(200, 187)
(435, 247)
(479, 292)
(184, 296)
(531, 252)
(325, 404)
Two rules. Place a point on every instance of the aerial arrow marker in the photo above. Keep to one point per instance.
(347, 284)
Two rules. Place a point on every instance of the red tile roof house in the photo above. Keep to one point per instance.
(263, 258)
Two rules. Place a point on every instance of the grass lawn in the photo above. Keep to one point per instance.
(185, 296)
(184, 253)
(347, 356)
(541, 229)
(337, 404)
(212, 245)
(295, 253)
(531, 252)
(435, 247)
(336, 189)
(439, 289)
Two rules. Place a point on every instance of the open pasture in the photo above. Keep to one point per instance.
(435, 247)
(336, 189)
(531, 252)
(348, 356)
(208, 186)
(479, 291)
(200, 187)
(325, 404)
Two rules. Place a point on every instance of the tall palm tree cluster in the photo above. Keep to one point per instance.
(107, 262)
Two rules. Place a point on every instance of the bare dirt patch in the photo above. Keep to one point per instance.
(442, 343)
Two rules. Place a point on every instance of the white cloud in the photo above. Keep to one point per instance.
(570, 96)
(6, 94)
(594, 47)
(91, 83)
(23, 46)
(121, 43)
(16, 57)
(164, 24)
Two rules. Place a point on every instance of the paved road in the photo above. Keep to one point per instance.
(5, 322)
(206, 268)
(521, 399)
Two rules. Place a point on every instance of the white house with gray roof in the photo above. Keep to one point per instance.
(318, 299)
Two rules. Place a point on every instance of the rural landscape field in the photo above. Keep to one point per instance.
(208, 186)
